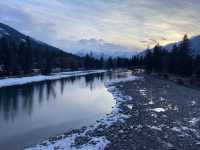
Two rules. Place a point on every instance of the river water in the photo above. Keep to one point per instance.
(30, 113)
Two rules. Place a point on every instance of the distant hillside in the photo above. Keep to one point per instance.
(9, 32)
(21, 54)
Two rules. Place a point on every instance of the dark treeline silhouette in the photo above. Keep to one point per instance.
(111, 63)
(23, 58)
(179, 61)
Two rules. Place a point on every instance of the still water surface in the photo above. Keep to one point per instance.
(32, 112)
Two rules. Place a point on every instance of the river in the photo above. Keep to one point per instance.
(32, 112)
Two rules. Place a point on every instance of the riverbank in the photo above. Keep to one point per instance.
(150, 114)
(38, 78)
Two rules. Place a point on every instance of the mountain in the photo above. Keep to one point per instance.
(194, 43)
(9, 32)
(99, 48)
(20, 53)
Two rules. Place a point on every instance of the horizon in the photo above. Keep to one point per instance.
(135, 25)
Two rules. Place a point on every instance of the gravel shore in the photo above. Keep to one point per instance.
(163, 116)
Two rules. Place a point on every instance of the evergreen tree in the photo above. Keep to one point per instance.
(173, 60)
(28, 54)
(148, 61)
(157, 58)
(185, 58)
(47, 69)
(110, 64)
(101, 62)
(197, 67)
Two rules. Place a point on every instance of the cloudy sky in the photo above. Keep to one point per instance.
(131, 23)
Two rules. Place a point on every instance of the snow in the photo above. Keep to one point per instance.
(125, 79)
(151, 102)
(155, 128)
(162, 99)
(158, 109)
(193, 103)
(65, 144)
(143, 92)
(194, 121)
(24, 80)
(130, 106)
(96, 143)
(176, 129)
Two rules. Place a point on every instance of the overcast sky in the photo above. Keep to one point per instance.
(132, 23)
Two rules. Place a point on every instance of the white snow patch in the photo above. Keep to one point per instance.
(125, 79)
(162, 99)
(151, 102)
(142, 92)
(65, 144)
(193, 103)
(155, 128)
(177, 129)
(158, 109)
(194, 121)
(130, 106)
(24, 80)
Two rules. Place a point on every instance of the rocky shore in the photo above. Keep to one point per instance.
(150, 114)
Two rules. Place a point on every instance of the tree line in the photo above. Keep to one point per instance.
(111, 63)
(179, 61)
(25, 58)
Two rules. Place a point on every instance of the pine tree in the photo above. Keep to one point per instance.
(101, 62)
(110, 64)
(173, 60)
(185, 58)
(148, 61)
(47, 68)
(157, 58)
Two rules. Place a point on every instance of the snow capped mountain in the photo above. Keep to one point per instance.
(99, 48)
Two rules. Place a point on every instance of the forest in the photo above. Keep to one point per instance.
(23, 58)
(179, 61)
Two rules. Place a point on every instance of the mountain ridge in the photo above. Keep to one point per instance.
(99, 48)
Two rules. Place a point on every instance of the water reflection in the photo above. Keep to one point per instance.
(13, 99)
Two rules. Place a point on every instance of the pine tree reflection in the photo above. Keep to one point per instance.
(24, 99)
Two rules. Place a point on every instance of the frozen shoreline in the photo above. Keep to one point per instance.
(38, 78)
(67, 142)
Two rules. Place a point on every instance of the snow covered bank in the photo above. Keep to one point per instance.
(87, 137)
(38, 78)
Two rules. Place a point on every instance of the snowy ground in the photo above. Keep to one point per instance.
(87, 138)
(24, 80)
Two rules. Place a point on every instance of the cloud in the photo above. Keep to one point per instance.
(125, 22)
